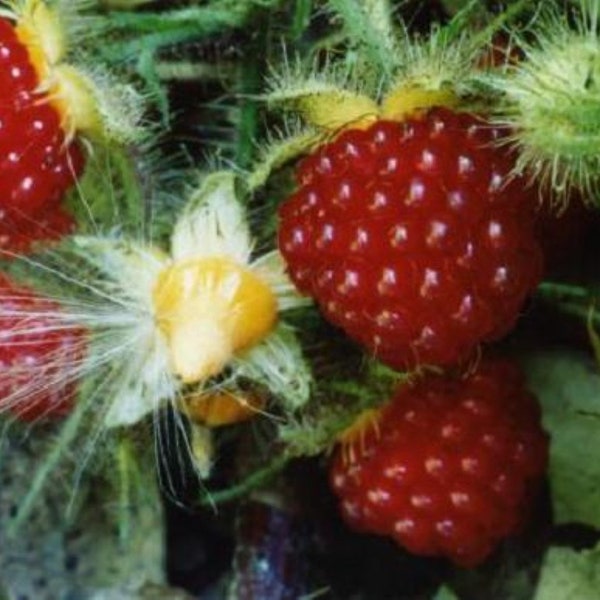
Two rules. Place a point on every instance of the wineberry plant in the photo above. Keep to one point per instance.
(312, 281)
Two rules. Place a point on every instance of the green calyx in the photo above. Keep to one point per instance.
(552, 103)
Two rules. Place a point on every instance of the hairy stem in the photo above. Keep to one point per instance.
(557, 291)
(511, 12)
(369, 23)
(572, 300)
(67, 434)
(250, 483)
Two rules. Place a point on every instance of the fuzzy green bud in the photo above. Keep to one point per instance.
(552, 103)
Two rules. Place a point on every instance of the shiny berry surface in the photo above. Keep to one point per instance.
(35, 347)
(412, 238)
(450, 469)
(37, 163)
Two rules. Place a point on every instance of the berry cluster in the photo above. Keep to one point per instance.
(39, 163)
(413, 237)
(450, 467)
(412, 229)
(416, 238)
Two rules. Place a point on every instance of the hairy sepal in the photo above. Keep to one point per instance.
(41, 26)
(132, 266)
(281, 148)
(552, 102)
(335, 109)
(128, 335)
(103, 106)
(433, 71)
(127, 354)
(144, 382)
(272, 269)
(369, 27)
(279, 365)
(213, 222)
(91, 99)
(326, 99)
(335, 404)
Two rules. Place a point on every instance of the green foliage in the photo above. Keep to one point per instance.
(110, 194)
(336, 403)
(150, 31)
(369, 26)
(222, 49)
(568, 386)
(445, 593)
(139, 37)
(47, 467)
(570, 575)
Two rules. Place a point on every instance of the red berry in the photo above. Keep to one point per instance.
(35, 348)
(37, 163)
(413, 238)
(18, 234)
(451, 467)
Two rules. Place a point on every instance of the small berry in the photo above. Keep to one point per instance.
(38, 161)
(413, 237)
(35, 346)
(451, 466)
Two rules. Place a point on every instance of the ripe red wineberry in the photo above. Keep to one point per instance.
(449, 467)
(413, 237)
(38, 164)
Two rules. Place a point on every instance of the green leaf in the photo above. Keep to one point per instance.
(570, 575)
(110, 192)
(568, 386)
(445, 593)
